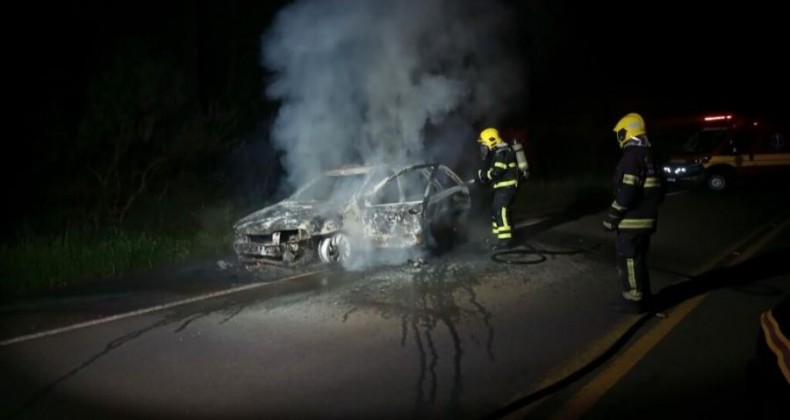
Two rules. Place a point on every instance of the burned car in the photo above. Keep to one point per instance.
(348, 211)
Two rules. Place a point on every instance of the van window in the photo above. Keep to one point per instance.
(769, 140)
(742, 141)
(778, 142)
(706, 141)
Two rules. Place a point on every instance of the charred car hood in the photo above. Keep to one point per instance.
(315, 219)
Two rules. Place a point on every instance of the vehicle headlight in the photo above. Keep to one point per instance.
(684, 170)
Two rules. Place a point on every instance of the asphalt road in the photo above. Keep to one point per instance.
(459, 336)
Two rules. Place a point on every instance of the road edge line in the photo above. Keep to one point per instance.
(589, 395)
(755, 240)
(752, 237)
(160, 307)
(598, 386)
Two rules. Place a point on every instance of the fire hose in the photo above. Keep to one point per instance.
(526, 254)
(529, 254)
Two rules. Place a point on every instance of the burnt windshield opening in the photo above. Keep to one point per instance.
(330, 188)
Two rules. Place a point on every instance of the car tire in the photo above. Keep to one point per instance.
(448, 234)
(718, 181)
(335, 248)
(461, 233)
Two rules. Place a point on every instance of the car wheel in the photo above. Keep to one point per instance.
(717, 182)
(335, 248)
(445, 235)
(461, 230)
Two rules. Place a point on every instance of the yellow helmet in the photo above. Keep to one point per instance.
(629, 126)
(489, 137)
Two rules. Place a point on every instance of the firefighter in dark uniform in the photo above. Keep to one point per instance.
(502, 174)
(770, 370)
(633, 214)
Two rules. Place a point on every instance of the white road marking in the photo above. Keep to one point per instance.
(160, 307)
(676, 193)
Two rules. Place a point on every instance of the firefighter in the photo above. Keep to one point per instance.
(633, 214)
(771, 367)
(501, 172)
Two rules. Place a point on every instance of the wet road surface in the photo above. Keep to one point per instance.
(460, 336)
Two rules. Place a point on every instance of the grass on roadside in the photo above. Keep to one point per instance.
(47, 263)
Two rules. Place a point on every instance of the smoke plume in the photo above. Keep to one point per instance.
(370, 81)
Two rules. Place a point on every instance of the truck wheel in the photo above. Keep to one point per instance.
(718, 181)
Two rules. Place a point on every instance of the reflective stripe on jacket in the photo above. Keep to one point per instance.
(639, 189)
(503, 172)
(775, 324)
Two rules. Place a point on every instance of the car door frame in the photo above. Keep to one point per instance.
(441, 212)
(394, 224)
(400, 224)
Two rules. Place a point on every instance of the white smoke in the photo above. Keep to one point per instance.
(359, 81)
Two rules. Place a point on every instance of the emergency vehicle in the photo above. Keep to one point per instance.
(730, 148)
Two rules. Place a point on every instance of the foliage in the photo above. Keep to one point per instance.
(48, 263)
(36, 264)
(142, 130)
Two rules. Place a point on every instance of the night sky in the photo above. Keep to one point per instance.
(658, 55)
(671, 57)
(604, 58)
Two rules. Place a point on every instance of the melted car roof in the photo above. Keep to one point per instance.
(363, 169)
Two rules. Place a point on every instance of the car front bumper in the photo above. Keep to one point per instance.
(259, 250)
(248, 250)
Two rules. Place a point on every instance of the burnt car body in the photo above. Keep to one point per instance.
(339, 214)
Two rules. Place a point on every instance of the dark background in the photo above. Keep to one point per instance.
(90, 79)
(666, 57)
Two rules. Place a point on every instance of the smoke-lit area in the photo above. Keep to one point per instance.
(365, 254)
(397, 81)
(374, 207)
(360, 81)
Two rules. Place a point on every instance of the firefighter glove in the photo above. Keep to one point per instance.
(481, 176)
(612, 220)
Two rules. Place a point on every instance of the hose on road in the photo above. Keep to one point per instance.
(530, 254)
(518, 256)
(575, 376)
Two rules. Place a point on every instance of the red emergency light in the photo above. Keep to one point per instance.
(718, 117)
